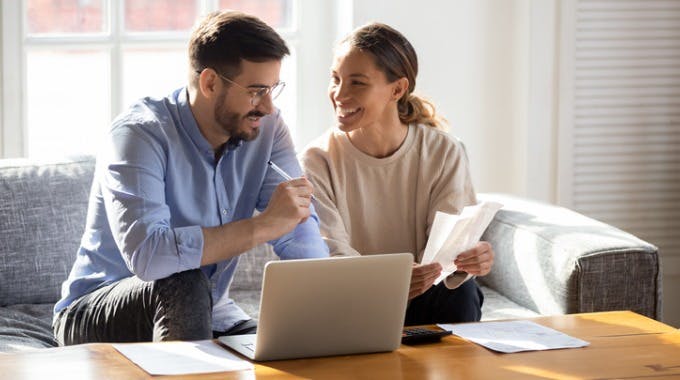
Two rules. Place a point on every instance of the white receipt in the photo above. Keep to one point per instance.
(514, 336)
(182, 358)
(452, 234)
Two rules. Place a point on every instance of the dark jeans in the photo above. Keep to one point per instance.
(440, 304)
(178, 307)
(244, 327)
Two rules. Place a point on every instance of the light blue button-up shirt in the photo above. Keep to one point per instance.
(157, 183)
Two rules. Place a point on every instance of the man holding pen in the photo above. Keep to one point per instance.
(173, 197)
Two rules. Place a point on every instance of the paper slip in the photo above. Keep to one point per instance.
(182, 358)
(452, 234)
(514, 336)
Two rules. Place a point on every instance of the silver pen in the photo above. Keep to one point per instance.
(279, 170)
(282, 173)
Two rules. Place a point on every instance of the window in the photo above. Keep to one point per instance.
(71, 66)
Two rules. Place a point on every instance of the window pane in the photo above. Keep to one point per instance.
(277, 13)
(287, 101)
(159, 15)
(67, 101)
(65, 16)
(152, 72)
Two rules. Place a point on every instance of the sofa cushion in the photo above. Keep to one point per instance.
(25, 327)
(42, 216)
(496, 306)
(250, 269)
(248, 301)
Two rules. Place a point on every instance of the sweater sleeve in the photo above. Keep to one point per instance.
(450, 194)
(453, 189)
(333, 229)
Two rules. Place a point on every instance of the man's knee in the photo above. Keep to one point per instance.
(183, 307)
(190, 288)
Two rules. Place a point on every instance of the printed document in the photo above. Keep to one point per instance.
(182, 358)
(514, 336)
(452, 234)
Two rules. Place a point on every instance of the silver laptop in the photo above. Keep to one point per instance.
(333, 306)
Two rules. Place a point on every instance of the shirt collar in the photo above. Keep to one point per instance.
(188, 123)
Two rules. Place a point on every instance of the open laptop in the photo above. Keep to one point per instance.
(332, 306)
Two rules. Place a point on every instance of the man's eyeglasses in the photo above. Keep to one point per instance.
(256, 94)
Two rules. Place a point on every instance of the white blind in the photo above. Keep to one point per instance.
(626, 117)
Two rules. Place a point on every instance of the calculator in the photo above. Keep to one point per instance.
(417, 335)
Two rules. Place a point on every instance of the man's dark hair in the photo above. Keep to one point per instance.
(224, 38)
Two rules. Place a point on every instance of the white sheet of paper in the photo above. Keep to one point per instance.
(514, 336)
(182, 358)
(452, 234)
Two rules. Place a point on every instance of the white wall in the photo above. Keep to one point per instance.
(474, 65)
(313, 109)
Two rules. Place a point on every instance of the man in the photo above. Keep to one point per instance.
(173, 197)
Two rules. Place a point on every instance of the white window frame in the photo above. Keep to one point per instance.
(313, 30)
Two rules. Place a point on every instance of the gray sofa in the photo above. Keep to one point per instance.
(549, 260)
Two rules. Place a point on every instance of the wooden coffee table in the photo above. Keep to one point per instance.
(623, 345)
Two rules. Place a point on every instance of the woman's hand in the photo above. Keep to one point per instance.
(422, 278)
(477, 260)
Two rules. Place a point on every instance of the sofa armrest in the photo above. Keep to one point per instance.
(555, 261)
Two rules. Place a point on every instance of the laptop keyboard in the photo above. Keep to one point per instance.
(249, 346)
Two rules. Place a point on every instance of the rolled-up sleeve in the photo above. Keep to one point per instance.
(305, 240)
(133, 189)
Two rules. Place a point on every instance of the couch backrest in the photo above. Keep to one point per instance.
(250, 270)
(43, 206)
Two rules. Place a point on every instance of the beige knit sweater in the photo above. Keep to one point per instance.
(369, 205)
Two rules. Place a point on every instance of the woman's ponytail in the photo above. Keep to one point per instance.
(414, 109)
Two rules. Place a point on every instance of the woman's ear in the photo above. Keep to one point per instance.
(400, 88)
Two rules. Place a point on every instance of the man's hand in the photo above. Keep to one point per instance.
(477, 260)
(422, 278)
(288, 206)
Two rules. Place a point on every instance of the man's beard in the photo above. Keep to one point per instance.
(231, 121)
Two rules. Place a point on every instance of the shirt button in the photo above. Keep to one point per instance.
(225, 211)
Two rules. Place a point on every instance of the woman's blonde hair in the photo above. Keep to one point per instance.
(394, 55)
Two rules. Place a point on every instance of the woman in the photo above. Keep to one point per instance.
(388, 167)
